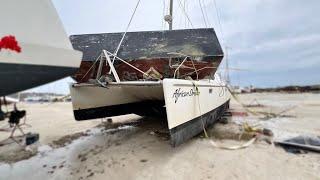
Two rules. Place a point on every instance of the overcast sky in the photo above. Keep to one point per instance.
(274, 42)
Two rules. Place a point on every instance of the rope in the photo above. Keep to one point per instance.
(132, 66)
(242, 146)
(91, 67)
(203, 126)
(238, 100)
(195, 69)
(198, 70)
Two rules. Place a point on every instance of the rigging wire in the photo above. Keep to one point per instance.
(163, 14)
(93, 65)
(119, 45)
(123, 36)
(185, 7)
(206, 14)
(185, 19)
(185, 13)
(181, 17)
(221, 31)
(219, 21)
(203, 15)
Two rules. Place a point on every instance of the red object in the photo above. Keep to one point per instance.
(10, 42)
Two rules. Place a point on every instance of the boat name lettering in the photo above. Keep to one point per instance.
(181, 93)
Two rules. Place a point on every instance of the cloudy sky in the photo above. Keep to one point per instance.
(273, 42)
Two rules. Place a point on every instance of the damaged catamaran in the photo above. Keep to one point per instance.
(156, 73)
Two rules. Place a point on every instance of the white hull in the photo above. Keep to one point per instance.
(46, 52)
(182, 106)
(36, 26)
(183, 101)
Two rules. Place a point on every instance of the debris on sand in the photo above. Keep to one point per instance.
(65, 140)
(254, 129)
(107, 125)
(239, 113)
(14, 149)
(16, 155)
(32, 138)
(223, 120)
(270, 115)
(244, 132)
(254, 104)
(227, 131)
(91, 174)
(164, 135)
(143, 160)
(300, 144)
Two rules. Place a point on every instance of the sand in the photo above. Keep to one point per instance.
(93, 150)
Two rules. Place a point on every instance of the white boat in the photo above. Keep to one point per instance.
(42, 51)
(160, 73)
(188, 105)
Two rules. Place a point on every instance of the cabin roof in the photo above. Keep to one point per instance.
(150, 44)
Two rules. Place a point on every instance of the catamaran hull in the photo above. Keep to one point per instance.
(192, 106)
(188, 106)
(193, 127)
(91, 102)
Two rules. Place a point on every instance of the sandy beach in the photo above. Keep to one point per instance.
(134, 147)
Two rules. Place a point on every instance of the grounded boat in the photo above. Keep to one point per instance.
(34, 48)
(157, 73)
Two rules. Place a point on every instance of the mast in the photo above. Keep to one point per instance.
(168, 18)
(171, 13)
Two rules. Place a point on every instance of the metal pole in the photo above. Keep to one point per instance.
(171, 13)
(113, 70)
